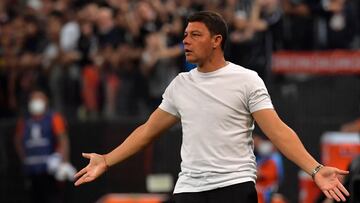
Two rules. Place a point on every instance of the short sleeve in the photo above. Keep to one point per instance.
(168, 100)
(259, 97)
(58, 124)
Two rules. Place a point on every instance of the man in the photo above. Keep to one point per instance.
(217, 104)
(42, 144)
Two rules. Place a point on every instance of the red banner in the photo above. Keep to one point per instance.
(316, 62)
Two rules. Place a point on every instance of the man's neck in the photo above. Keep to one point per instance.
(212, 65)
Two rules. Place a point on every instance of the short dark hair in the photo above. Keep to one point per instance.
(213, 21)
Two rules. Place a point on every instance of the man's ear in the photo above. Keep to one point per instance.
(217, 39)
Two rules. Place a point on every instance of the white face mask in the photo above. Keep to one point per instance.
(37, 106)
(265, 148)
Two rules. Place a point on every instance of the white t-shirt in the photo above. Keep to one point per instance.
(215, 111)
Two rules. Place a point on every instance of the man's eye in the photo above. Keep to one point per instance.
(192, 35)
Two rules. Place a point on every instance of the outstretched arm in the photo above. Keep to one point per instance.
(286, 140)
(158, 122)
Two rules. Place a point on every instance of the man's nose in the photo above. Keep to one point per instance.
(186, 40)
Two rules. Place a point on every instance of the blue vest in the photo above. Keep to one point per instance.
(38, 143)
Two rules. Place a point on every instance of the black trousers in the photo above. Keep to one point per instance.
(239, 193)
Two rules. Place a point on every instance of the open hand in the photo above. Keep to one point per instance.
(327, 179)
(94, 169)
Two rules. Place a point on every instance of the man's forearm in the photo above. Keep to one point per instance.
(290, 145)
(285, 139)
(158, 122)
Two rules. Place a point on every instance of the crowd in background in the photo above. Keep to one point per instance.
(114, 58)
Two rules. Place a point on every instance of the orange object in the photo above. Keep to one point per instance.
(91, 82)
(267, 178)
(58, 124)
(338, 149)
(308, 191)
(133, 198)
(278, 198)
(260, 196)
(267, 174)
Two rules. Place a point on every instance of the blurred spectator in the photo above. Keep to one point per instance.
(158, 65)
(100, 45)
(70, 56)
(108, 33)
(115, 59)
(60, 60)
(42, 145)
(4, 16)
(90, 76)
(52, 60)
(24, 63)
(340, 21)
(252, 35)
(299, 33)
(270, 170)
(148, 19)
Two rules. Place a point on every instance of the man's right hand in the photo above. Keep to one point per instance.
(94, 169)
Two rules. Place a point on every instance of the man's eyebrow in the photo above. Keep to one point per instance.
(192, 31)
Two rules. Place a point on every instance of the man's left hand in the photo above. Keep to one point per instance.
(327, 179)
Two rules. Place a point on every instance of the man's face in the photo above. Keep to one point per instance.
(198, 43)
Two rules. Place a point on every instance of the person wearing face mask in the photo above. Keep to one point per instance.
(270, 169)
(42, 145)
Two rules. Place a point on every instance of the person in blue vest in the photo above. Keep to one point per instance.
(42, 144)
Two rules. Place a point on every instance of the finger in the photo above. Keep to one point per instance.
(333, 195)
(78, 182)
(86, 155)
(327, 194)
(80, 173)
(339, 194)
(343, 189)
(84, 179)
(342, 172)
